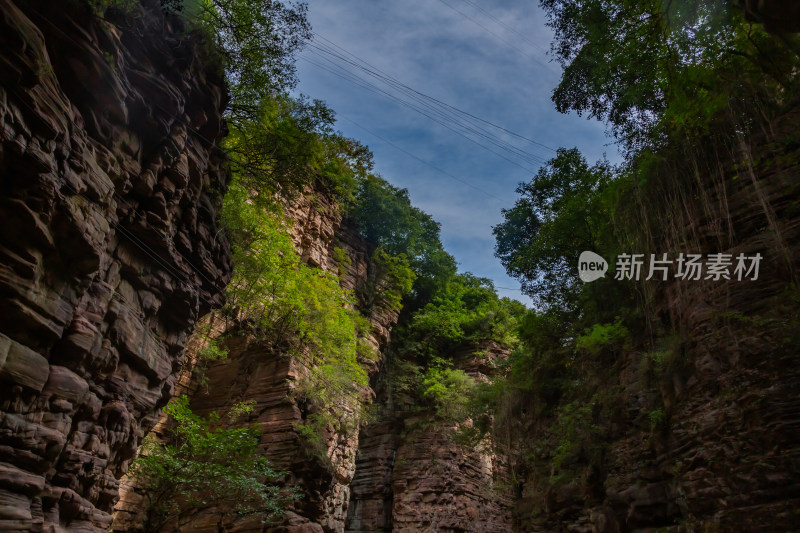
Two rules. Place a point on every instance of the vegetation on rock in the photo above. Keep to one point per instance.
(206, 467)
(690, 90)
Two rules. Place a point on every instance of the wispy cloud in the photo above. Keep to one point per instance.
(437, 51)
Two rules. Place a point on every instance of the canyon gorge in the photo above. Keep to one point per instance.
(113, 251)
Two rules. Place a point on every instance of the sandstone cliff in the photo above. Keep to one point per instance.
(705, 432)
(110, 179)
(268, 376)
(412, 475)
(382, 473)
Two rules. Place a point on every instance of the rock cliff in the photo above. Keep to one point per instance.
(110, 179)
(268, 376)
(412, 475)
(706, 432)
(387, 474)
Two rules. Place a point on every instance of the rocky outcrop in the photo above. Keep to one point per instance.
(707, 438)
(421, 480)
(110, 178)
(412, 475)
(397, 471)
(268, 376)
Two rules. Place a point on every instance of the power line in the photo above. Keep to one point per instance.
(442, 114)
(435, 100)
(370, 87)
(343, 62)
(448, 121)
(387, 141)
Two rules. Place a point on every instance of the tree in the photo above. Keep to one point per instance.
(278, 152)
(466, 313)
(283, 300)
(385, 216)
(205, 467)
(257, 40)
(559, 215)
(628, 61)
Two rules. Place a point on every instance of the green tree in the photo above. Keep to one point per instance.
(629, 61)
(277, 151)
(467, 313)
(205, 467)
(301, 309)
(560, 214)
(284, 300)
(464, 317)
(257, 40)
(384, 215)
(290, 145)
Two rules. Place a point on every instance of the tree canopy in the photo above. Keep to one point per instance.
(629, 61)
(257, 40)
(559, 214)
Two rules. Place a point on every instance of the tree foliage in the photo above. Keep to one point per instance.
(206, 467)
(630, 61)
(688, 88)
(384, 215)
(286, 301)
(462, 318)
(559, 214)
(469, 312)
(289, 146)
(257, 40)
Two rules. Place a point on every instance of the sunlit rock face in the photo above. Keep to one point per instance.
(412, 475)
(110, 179)
(395, 472)
(267, 375)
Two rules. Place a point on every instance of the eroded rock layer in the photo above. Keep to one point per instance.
(268, 376)
(711, 441)
(412, 475)
(110, 179)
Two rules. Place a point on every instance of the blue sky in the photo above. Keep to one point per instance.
(485, 57)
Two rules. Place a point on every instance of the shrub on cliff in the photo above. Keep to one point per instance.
(285, 301)
(206, 467)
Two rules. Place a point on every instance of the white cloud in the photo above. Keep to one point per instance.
(433, 49)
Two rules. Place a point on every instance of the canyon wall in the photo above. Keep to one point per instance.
(267, 375)
(110, 181)
(706, 433)
(392, 471)
(413, 475)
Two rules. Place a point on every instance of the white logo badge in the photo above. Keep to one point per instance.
(591, 266)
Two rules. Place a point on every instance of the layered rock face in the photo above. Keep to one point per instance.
(266, 375)
(724, 455)
(110, 178)
(389, 474)
(411, 475)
